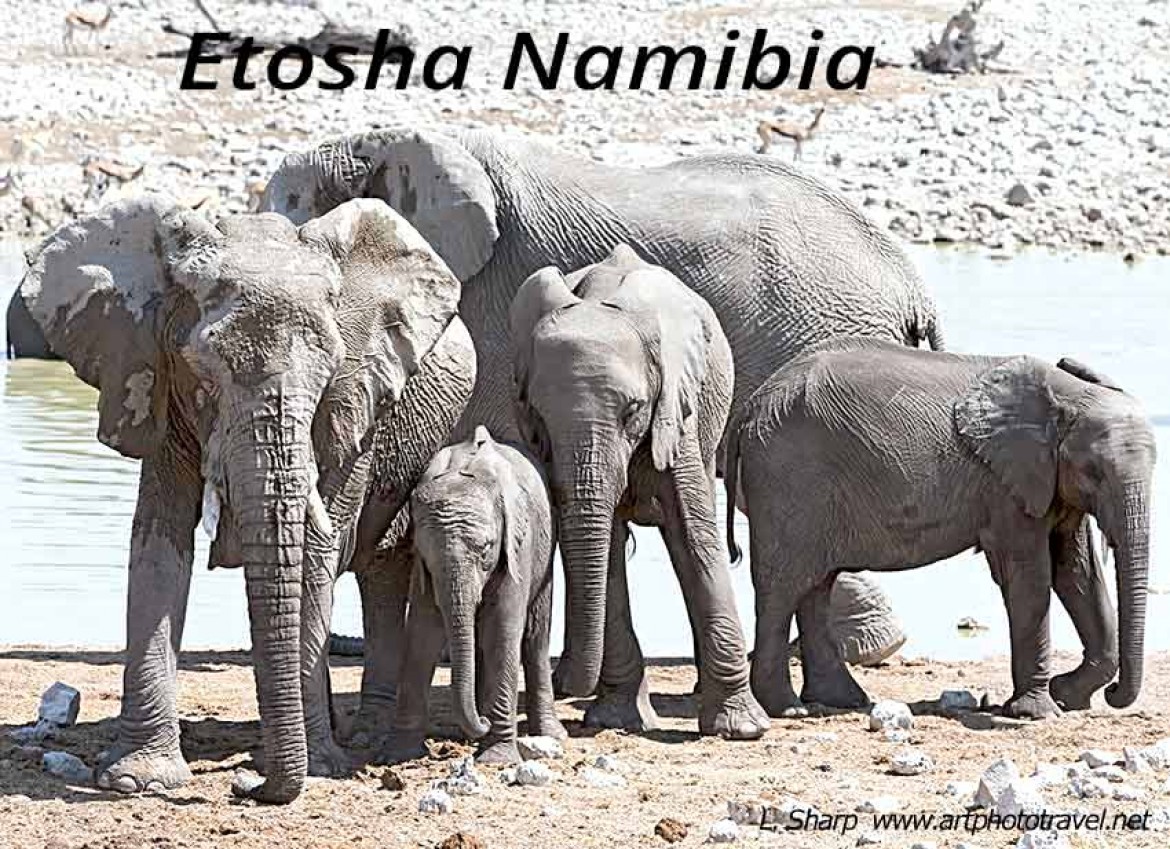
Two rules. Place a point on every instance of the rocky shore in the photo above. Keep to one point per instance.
(1065, 143)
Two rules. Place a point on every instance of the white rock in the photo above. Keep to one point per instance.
(1110, 773)
(533, 774)
(910, 762)
(60, 705)
(436, 801)
(598, 778)
(1042, 840)
(994, 781)
(608, 763)
(540, 748)
(1099, 757)
(1049, 775)
(869, 838)
(463, 779)
(1089, 787)
(67, 766)
(746, 813)
(1128, 793)
(880, 805)
(890, 714)
(1158, 755)
(958, 700)
(1135, 760)
(723, 831)
(1019, 797)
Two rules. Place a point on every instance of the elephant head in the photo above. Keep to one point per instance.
(1068, 439)
(604, 371)
(431, 179)
(469, 513)
(256, 356)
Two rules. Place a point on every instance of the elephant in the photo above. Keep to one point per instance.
(275, 382)
(866, 455)
(483, 577)
(784, 261)
(623, 381)
(24, 336)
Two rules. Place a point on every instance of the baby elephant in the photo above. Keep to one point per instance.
(868, 455)
(483, 580)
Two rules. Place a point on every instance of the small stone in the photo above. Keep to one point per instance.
(1018, 195)
(69, 767)
(60, 705)
(1135, 760)
(462, 840)
(1049, 775)
(994, 781)
(723, 831)
(897, 735)
(890, 714)
(30, 753)
(880, 805)
(1158, 755)
(1099, 757)
(533, 774)
(391, 780)
(869, 838)
(1019, 797)
(956, 700)
(463, 779)
(670, 830)
(961, 789)
(1128, 793)
(436, 801)
(1089, 787)
(540, 748)
(607, 763)
(910, 762)
(1110, 773)
(32, 734)
(1039, 839)
(745, 813)
(597, 778)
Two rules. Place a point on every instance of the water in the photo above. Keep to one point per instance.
(67, 500)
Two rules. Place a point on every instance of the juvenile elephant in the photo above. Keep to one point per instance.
(483, 538)
(623, 381)
(866, 455)
(783, 260)
(251, 366)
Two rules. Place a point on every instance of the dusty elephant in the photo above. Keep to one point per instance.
(483, 542)
(253, 367)
(783, 260)
(866, 455)
(623, 383)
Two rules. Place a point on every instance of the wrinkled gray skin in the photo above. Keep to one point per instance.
(866, 455)
(251, 366)
(623, 383)
(483, 536)
(783, 261)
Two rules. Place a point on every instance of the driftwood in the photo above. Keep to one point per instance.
(956, 52)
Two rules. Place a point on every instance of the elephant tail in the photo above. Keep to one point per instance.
(731, 487)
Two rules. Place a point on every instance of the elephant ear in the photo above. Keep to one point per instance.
(1009, 419)
(431, 179)
(541, 294)
(96, 288)
(396, 299)
(685, 325)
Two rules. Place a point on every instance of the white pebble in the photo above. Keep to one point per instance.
(723, 831)
(533, 774)
(540, 748)
(1099, 757)
(910, 762)
(598, 778)
(890, 714)
(436, 801)
(995, 780)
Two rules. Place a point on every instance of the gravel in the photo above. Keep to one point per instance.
(1077, 117)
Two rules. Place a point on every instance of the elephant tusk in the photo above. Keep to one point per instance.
(211, 505)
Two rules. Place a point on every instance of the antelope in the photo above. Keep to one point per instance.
(798, 134)
(90, 18)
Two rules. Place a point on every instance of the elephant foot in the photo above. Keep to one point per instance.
(1074, 690)
(779, 702)
(546, 726)
(399, 748)
(841, 691)
(735, 717)
(371, 727)
(328, 759)
(501, 752)
(1031, 706)
(143, 770)
(627, 709)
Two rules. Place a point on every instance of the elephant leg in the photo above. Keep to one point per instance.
(499, 636)
(1024, 574)
(727, 707)
(326, 756)
(425, 635)
(827, 680)
(146, 755)
(771, 680)
(623, 696)
(384, 587)
(538, 688)
(1079, 581)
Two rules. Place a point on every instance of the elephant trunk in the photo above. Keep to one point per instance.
(268, 482)
(1133, 563)
(461, 639)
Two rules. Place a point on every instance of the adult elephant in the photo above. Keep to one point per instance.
(256, 369)
(783, 260)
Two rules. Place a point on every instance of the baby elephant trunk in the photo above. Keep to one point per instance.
(461, 638)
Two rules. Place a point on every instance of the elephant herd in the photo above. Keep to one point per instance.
(593, 346)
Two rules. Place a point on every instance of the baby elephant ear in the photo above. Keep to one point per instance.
(1009, 419)
(95, 287)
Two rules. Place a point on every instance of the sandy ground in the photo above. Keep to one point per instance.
(670, 773)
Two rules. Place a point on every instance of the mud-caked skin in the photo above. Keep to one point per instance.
(867, 455)
(784, 261)
(623, 379)
(483, 543)
(250, 366)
